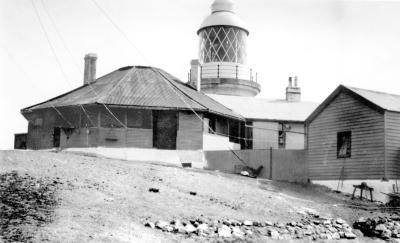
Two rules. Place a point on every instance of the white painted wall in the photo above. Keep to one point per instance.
(217, 142)
(265, 135)
(196, 157)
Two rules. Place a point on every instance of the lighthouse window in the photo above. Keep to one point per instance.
(223, 44)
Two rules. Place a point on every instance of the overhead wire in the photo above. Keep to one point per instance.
(138, 51)
(27, 76)
(55, 55)
(73, 60)
(173, 87)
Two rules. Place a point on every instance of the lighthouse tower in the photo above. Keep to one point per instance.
(222, 64)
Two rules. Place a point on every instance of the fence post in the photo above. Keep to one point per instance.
(270, 163)
(218, 71)
(251, 74)
(201, 72)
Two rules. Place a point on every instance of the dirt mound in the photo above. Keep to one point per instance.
(26, 203)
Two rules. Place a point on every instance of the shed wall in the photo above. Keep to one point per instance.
(392, 128)
(346, 113)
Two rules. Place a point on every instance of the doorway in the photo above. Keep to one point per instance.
(165, 127)
(56, 137)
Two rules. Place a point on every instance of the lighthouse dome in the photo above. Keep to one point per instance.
(222, 14)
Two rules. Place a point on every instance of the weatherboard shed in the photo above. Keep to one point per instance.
(354, 135)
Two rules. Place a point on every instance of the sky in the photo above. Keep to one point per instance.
(324, 42)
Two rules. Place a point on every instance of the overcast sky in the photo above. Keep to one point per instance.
(324, 42)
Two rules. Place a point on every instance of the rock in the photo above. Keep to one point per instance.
(327, 222)
(361, 220)
(235, 222)
(386, 234)
(349, 235)
(268, 223)
(189, 228)
(358, 233)
(280, 225)
(202, 228)
(249, 232)
(161, 224)
(292, 223)
(150, 224)
(335, 236)
(340, 221)
(256, 224)
(323, 236)
(380, 228)
(248, 223)
(168, 228)
(341, 234)
(236, 232)
(274, 234)
(226, 222)
(224, 231)
(155, 190)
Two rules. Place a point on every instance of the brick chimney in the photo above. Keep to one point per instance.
(293, 92)
(90, 68)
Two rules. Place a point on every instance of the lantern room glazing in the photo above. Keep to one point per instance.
(223, 44)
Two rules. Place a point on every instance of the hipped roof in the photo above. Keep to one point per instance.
(377, 100)
(139, 86)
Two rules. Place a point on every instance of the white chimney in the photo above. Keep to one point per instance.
(90, 68)
(293, 93)
(195, 74)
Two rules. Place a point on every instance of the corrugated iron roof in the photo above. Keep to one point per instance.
(386, 101)
(267, 109)
(140, 87)
(377, 100)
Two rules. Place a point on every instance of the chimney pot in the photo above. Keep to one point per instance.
(90, 68)
(293, 93)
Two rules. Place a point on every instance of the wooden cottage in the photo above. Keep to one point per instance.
(140, 107)
(354, 135)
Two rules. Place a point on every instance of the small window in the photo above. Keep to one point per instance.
(282, 139)
(344, 144)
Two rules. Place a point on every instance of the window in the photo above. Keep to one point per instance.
(282, 139)
(139, 118)
(344, 144)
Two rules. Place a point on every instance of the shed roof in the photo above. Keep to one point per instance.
(140, 87)
(374, 99)
(267, 109)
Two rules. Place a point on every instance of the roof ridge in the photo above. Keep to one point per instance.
(159, 72)
(372, 91)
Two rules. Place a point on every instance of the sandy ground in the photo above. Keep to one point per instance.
(105, 200)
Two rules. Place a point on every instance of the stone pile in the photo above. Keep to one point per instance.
(309, 228)
(382, 227)
(26, 203)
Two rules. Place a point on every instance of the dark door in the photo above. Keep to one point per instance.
(56, 137)
(165, 125)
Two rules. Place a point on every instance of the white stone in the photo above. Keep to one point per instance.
(224, 231)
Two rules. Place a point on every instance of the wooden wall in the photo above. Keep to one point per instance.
(346, 113)
(392, 129)
(108, 137)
